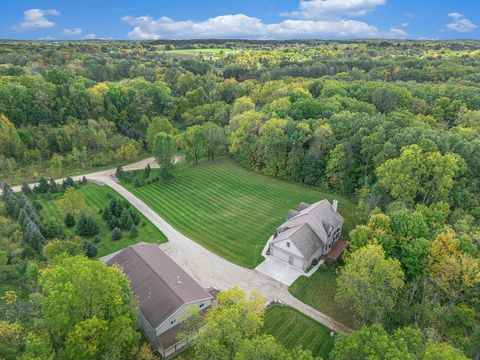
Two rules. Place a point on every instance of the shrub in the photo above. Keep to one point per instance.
(96, 239)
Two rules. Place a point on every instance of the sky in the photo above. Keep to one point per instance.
(239, 19)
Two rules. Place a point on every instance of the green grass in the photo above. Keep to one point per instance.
(95, 197)
(291, 328)
(229, 210)
(318, 291)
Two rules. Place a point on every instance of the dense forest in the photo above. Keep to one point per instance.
(392, 125)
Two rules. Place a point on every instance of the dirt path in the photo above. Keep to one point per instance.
(210, 269)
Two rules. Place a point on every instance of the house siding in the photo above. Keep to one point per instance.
(284, 255)
(177, 316)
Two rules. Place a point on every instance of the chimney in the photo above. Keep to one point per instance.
(335, 205)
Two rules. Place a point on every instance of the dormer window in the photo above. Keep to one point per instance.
(288, 244)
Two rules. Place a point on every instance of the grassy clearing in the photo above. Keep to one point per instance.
(319, 291)
(96, 198)
(31, 172)
(229, 210)
(291, 328)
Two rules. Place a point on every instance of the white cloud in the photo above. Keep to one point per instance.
(460, 23)
(47, 38)
(245, 27)
(72, 32)
(395, 33)
(409, 15)
(35, 19)
(405, 24)
(328, 9)
(90, 36)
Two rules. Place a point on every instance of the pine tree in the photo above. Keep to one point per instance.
(89, 249)
(84, 180)
(133, 231)
(33, 236)
(69, 220)
(42, 186)
(116, 234)
(68, 182)
(26, 189)
(148, 170)
(136, 182)
(126, 221)
(119, 173)
(134, 215)
(113, 222)
(87, 226)
(53, 186)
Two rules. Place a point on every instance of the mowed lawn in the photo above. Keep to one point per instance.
(96, 198)
(318, 291)
(291, 328)
(229, 210)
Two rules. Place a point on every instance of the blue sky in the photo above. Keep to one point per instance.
(248, 19)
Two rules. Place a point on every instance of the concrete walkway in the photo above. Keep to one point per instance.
(211, 270)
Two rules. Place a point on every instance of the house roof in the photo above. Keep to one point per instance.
(161, 286)
(303, 237)
(320, 216)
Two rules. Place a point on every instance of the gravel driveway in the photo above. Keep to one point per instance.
(210, 269)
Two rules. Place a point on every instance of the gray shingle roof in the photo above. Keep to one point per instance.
(309, 226)
(160, 285)
(320, 216)
(303, 237)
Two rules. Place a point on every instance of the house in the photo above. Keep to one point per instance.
(309, 233)
(164, 292)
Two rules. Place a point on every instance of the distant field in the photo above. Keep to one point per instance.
(96, 198)
(229, 210)
(199, 51)
(318, 291)
(291, 328)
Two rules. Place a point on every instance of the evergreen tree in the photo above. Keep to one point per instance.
(89, 249)
(113, 222)
(68, 182)
(134, 215)
(42, 186)
(120, 173)
(26, 189)
(53, 186)
(69, 220)
(33, 236)
(133, 231)
(126, 221)
(48, 196)
(84, 180)
(147, 171)
(87, 226)
(136, 182)
(116, 234)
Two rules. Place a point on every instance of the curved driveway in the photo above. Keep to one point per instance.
(212, 270)
(204, 266)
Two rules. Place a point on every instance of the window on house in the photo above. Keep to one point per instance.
(288, 244)
(173, 321)
(201, 305)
